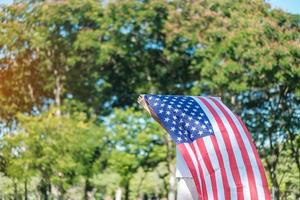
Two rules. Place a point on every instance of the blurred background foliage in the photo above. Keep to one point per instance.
(71, 71)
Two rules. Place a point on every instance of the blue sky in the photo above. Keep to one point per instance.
(292, 6)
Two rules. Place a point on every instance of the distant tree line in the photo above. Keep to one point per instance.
(71, 71)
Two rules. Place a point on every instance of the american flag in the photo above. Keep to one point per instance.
(215, 145)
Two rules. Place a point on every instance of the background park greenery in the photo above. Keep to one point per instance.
(71, 71)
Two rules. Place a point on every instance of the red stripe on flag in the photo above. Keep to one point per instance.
(245, 154)
(258, 161)
(232, 161)
(191, 167)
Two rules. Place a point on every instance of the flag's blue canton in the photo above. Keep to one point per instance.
(182, 116)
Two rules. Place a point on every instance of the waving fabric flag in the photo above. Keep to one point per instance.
(215, 145)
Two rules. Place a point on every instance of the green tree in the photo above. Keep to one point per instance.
(58, 149)
(43, 56)
(136, 142)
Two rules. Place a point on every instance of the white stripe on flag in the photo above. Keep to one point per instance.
(222, 146)
(236, 150)
(254, 165)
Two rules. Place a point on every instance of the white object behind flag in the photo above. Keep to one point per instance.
(182, 170)
(186, 188)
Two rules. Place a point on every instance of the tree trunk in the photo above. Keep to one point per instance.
(163, 178)
(45, 189)
(61, 193)
(275, 186)
(25, 190)
(57, 92)
(15, 190)
(172, 190)
(294, 149)
(44, 193)
(139, 194)
(87, 190)
(127, 188)
(171, 170)
(49, 190)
